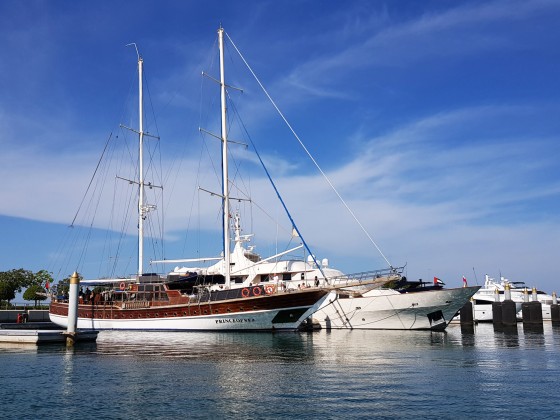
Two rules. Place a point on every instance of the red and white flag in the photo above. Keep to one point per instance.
(464, 281)
(438, 281)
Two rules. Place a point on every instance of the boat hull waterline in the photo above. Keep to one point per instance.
(385, 309)
(283, 311)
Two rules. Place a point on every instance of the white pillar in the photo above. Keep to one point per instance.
(73, 304)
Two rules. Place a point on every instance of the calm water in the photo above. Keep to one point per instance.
(341, 374)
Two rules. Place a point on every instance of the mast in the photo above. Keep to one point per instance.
(143, 208)
(140, 169)
(225, 180)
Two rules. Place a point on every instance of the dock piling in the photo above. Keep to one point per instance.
(554, 310)
(72, 309)
(509, 314)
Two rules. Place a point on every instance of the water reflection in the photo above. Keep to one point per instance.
(340, 346)
(210, 346)
(506, 336)
(468, 335)
(68, 372)
(533, 329)
(336, 374)
(555, 327)
(534, 335)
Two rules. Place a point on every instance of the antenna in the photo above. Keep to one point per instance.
(135, 47)
(476, 279)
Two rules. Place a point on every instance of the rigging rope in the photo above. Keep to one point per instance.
(91, 180)
(308, 153)
(284, 205)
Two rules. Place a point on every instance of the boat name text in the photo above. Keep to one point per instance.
(234, 320)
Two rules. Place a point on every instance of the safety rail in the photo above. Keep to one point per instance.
(136, 304)
(366, 276)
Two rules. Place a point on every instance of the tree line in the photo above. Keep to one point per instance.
(14, 281)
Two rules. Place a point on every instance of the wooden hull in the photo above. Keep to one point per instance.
(281, 311)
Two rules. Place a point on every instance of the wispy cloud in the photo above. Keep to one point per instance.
(457, 32)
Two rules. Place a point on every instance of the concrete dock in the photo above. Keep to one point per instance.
(43, 336)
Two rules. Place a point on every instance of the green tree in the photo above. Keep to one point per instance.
(43, 278)
(12, 282)
(35, 292)
(63, 285)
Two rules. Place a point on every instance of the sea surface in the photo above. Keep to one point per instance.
(323, 375)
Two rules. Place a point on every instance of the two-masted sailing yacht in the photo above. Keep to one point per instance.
(213, 300)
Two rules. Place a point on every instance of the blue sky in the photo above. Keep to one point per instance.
(436, 121)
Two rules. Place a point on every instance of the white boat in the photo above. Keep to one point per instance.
(483, 299)
(240, 291)
(389, 309)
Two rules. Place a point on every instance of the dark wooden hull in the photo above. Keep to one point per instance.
(264, 312)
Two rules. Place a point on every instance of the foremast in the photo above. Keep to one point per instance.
(143, 208)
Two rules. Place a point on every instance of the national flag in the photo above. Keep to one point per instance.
(438, 281)
(464, 281)
(47, 285)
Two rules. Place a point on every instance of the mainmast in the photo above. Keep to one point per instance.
(225, 179)
(140, 169)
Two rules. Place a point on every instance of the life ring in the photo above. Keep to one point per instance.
(257, 291)
(269, 289)
(122, 286)
(245, 292)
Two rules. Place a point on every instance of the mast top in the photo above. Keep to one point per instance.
(136, 48)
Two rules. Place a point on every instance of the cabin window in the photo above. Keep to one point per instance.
(286, 276)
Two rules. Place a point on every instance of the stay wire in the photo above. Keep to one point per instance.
(309, 154)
